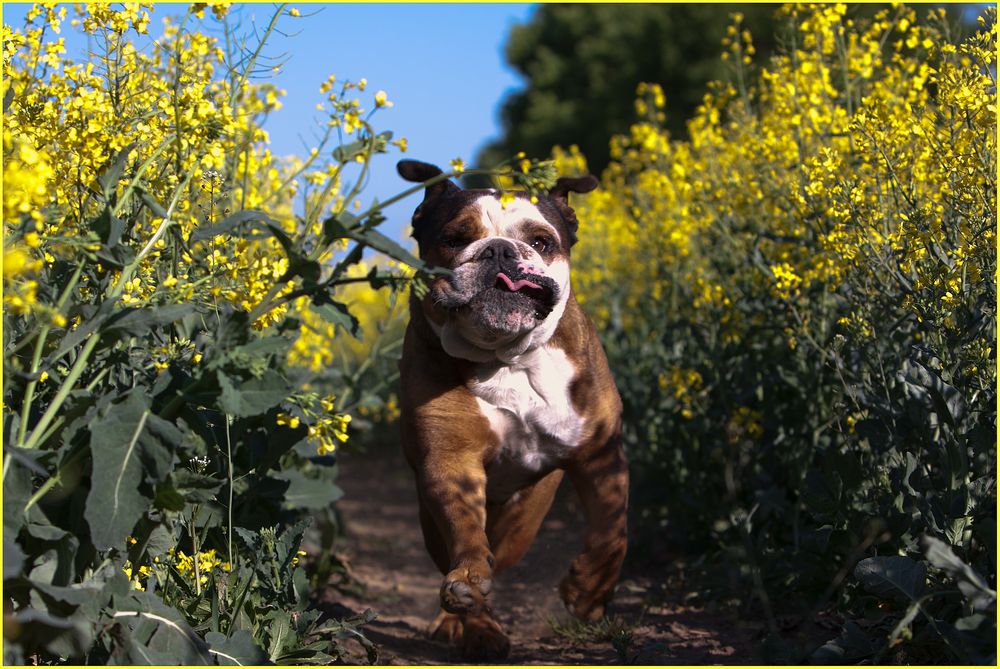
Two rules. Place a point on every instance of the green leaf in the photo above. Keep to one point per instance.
(345, 153)
(157, 633)
(279, 628)
(380, 242)
(139, 322)
(248, 224)
(109, 227)
(151, 203)
(13, 557)
(64, 637)
(927, 386)
(123, 444)
(168, 498)
(336, 227)
(112, 172)
(308, 493)
(196, 488)
(254, 396)
(973, 586)
(338, 314)
(851, 646)
(892, 576)
(75, 337)
(238, 650)
(17, 490)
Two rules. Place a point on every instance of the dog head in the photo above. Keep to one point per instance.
(510, 264)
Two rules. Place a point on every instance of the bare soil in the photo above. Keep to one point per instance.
(400, 582)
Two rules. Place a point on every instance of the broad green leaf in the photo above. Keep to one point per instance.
(254, 396)
(195, 487)
(238, 650)
(76, 337)
(928, 387)
(168, 498)
(972, 585)
(123, 444)
(17, 490)
(62, 545)
(279, 628)
(139, 322)
(159, 634)
(338, 314)
(13, 557)
(109, 228)
(892, 576)
(63, 637)
(308, 493)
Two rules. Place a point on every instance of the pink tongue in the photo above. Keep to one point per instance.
(521, 283)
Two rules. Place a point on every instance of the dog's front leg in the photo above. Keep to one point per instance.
(602, 483)
(453, 492)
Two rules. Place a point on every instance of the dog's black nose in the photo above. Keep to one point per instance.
(499, 249)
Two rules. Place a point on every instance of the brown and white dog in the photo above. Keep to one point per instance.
(505, 387)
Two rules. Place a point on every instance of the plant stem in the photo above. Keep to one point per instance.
(63, 393)
(51, 482)
(229, 462)
(256, 54)
(193, 529)
(29, 392)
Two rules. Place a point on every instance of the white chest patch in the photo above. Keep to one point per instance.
(529, 409)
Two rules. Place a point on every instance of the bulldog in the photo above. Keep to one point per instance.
(504, 389)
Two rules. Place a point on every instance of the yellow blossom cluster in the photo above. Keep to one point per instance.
(862, 154)
(327, 425)
(207, 563)
(135, 576)
(684, 385)
(186, 122)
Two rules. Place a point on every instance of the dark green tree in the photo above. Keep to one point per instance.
(582, 63)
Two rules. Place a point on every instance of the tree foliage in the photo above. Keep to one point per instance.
(581, 64)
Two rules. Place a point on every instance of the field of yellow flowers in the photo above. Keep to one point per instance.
(799, 303)
(174, 297)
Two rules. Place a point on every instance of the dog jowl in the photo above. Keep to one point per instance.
(506, 389)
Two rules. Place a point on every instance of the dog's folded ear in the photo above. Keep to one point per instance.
(559, 194)
(419, 172)
(566, 185)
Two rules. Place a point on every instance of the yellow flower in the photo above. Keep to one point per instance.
(458, 165)
(285, 419)
(382, 100)
(506, 198)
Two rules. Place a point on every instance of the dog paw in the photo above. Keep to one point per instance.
(483, 640)
(447, 627)
(580, 600)
(466, 588)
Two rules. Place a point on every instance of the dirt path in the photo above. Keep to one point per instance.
(387, 555)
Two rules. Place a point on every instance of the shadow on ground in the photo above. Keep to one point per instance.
(386, 552)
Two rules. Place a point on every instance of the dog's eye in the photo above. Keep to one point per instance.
(541, 244)
(456, 242)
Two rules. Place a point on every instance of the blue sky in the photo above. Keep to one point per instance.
(442, 66)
